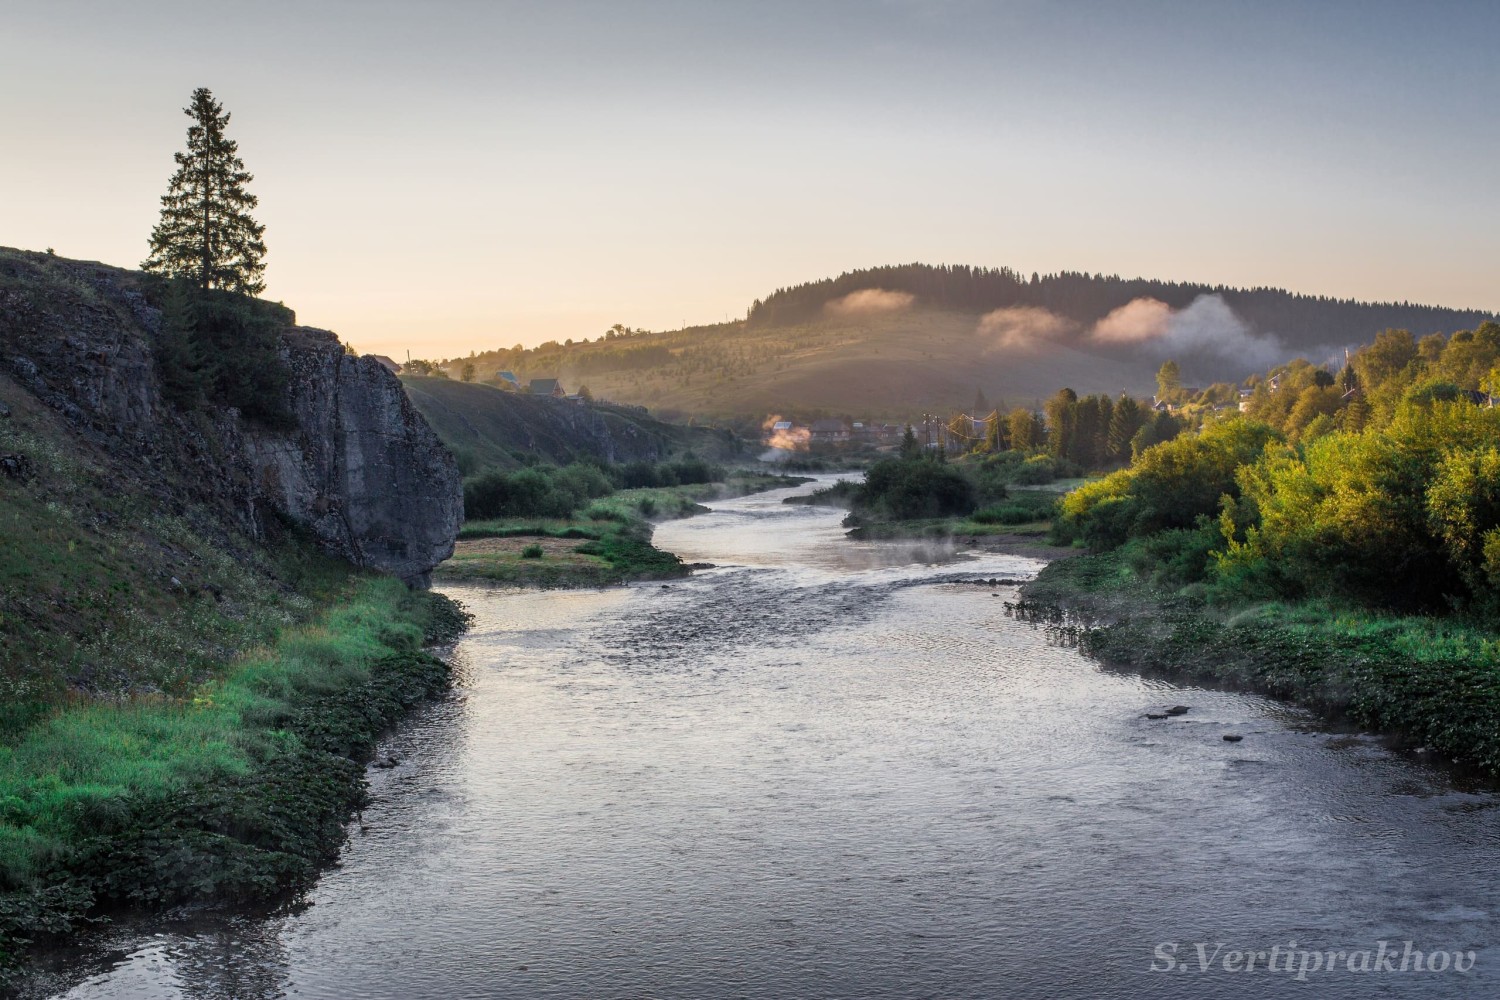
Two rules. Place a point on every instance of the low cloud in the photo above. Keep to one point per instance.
(870, 301)
(1023, 328)
(1134, 323)
(1207, 327)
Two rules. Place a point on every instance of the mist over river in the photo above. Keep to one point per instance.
(837, 769)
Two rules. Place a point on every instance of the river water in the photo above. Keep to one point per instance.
(829, 769)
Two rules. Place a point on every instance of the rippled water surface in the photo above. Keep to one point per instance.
(825, 769)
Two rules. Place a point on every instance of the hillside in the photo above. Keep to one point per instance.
(484, 426)
(896, 341)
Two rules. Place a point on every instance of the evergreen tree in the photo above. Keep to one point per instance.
(909, 446)
(1062, 420)
(206, 233)
(1127, 419)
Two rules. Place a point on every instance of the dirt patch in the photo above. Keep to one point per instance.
(551, 547)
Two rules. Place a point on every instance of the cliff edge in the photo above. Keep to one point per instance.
(356, 467)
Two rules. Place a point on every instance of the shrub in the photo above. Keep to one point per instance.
(908, 489)
(1170, 485)
(532, 551)
(638, 476)
(1034, 471)
(1014, 513)
(537, 491)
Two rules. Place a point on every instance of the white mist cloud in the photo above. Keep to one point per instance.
(1023, 328)
(869, 301)
(1206, 327)
(1134, 322)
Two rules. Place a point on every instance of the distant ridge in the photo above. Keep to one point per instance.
(895, 342)
(1303, 322)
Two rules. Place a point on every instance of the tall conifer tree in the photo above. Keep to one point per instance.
(206, 233)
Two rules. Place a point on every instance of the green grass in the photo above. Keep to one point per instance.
(73, 763)
(239, 791)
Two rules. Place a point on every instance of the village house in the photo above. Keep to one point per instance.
(508, 381)
(545, 387)
(829, 431)
(386, 363)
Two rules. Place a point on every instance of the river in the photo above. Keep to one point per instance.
(837, 769)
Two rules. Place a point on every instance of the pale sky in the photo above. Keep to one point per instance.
(449, 176)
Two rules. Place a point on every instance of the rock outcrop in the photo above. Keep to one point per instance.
(359, 469)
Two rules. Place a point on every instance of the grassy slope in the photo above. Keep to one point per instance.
(88, 602)
(882, 366)
(495, 427)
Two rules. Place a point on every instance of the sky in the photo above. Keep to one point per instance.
(453, 175)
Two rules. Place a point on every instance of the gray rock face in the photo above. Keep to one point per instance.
(361, 470)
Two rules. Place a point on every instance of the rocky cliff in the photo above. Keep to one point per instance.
(357, 468)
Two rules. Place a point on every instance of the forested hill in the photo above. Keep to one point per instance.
(1302, 322)
(894, 342)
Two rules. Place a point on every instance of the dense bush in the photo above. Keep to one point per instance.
(686, 471)
(1406, 516)
(1169, 486)
(907, 489)
(539, 491)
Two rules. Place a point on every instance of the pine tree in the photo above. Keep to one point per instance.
(909, 447)
(1127, 419)
(206, 233)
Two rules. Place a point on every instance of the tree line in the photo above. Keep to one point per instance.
(1303, 321)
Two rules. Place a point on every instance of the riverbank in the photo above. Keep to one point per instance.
(238, 793)
(1430, 685)
(607, 543)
